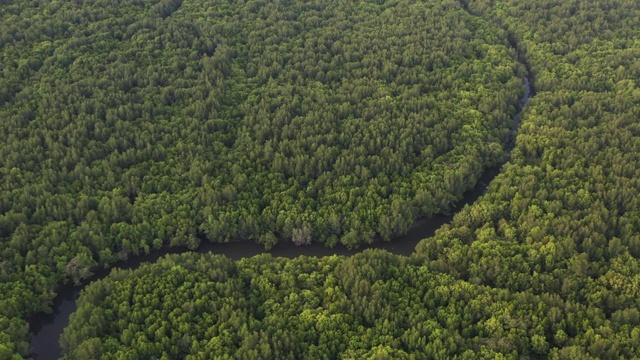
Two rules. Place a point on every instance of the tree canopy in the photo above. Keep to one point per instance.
(132, 125)
(373, 305)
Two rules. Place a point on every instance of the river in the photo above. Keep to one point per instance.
(47, 329)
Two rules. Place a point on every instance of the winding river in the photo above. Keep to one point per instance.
(47, 329)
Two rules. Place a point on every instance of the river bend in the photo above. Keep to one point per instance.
(47, 329)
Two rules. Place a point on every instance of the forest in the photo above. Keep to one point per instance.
(133, 125)
(374, 305)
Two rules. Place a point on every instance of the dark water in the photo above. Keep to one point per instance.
(48, 328)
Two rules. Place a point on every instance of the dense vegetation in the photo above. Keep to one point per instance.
(135, 124)
(129, 125)
(564, 216)
(373, 305)
(545, 264)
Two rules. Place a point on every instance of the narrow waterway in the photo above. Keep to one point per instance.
(47, 329)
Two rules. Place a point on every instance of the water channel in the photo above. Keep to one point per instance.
(47, 329)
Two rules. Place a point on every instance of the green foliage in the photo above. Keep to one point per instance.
(129, 125)
(374, 305)
(562, 217)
